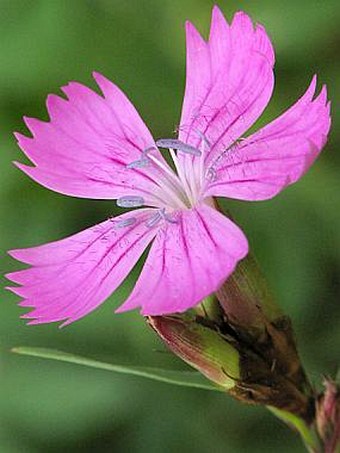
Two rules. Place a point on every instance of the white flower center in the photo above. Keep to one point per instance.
(181, 188)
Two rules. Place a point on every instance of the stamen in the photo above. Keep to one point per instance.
(171, 182)
(167, 217)
(125, 222)
(154, 219)
(158, 216)
(188, 129)
(181, 189)
(205, 146)
(211, 174)
(193, 175)
(130, 202)
(181, 174)
(203, 138)
(178, 145)
(141, 163)
(147, 150)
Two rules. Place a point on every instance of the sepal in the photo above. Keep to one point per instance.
(200, 346)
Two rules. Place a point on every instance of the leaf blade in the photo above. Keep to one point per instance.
(182, 378)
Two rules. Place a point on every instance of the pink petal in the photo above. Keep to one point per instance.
(84, 149)
(71, 277)
(229, 81)
(277, 155)
(187, 262)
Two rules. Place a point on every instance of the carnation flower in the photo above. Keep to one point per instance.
(97, 146)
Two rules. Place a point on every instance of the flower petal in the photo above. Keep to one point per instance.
(84, 149)
(229, 82)
(277, 155)
(188, 261)
(71, 277)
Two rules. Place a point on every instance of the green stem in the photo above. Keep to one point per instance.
(308, 435)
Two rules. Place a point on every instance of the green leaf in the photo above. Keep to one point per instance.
(183, 378)
(307, 433)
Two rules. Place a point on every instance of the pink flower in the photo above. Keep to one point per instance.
(98, 147)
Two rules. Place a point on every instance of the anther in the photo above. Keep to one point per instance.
(178, 145)
(154, 220)
(167, 217)
(143, 161)
(130, 202)
(211, 174)
(158, 216)
(125, 222)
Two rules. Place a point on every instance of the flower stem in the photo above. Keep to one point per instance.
(308, 435)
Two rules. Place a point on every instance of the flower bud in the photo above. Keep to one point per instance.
(328, 416)
(240, 339)
(199, 346)
(250, 372)
(246, 298)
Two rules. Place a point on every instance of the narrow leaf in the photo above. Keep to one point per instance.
(183, 378)
(307, 433)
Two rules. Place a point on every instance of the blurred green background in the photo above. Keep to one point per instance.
(52, 407)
